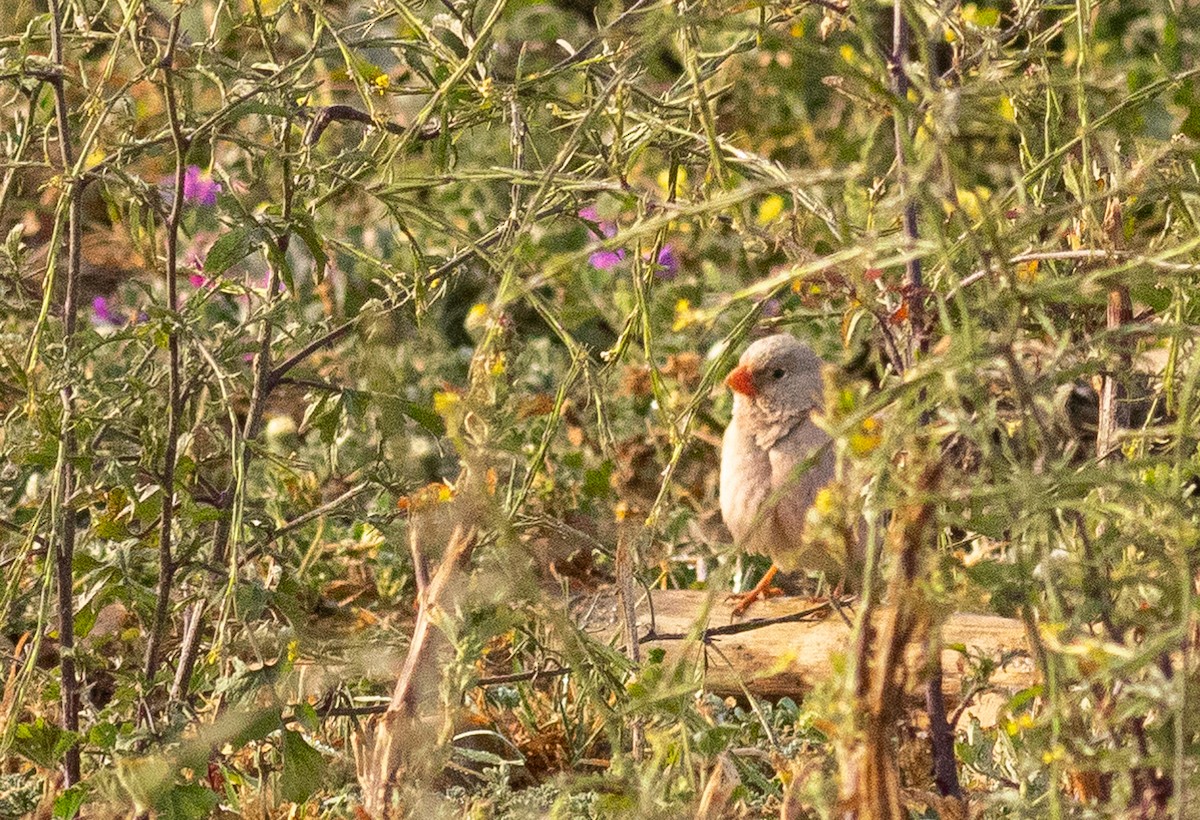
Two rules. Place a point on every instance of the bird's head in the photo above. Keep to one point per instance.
(778, 373)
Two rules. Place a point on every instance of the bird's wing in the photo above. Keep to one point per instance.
(802, 462)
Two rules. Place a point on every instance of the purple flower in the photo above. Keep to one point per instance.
(103, 314)
(668, 263)
(199, 188)
(603, 260)
(197, 280)
(771, 308)
(609, 229)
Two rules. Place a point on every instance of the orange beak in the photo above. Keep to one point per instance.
(740, 381)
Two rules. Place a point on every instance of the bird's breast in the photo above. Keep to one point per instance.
(745, 482)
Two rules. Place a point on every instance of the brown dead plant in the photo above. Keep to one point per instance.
(388, 748)
(870, 776)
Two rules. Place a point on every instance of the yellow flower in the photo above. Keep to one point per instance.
(664, 181)
(985, 17)
(770, 209)
(476, 317)
(94, 158)
(620, 511)
(445, 402)
(866, 438)
(1007, 110)
(684, 315)
(826, 501)
(1027, 271)
(380, 84)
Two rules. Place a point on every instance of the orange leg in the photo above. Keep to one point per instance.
(762, 589)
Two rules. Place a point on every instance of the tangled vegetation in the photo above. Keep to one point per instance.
(340, 334)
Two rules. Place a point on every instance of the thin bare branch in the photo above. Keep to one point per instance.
(166, 559)
(64, 506)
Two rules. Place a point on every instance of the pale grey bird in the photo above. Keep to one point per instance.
(775, 459)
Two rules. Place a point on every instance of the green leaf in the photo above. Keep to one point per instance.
(280, 263)
(484, 757)
(307, 716)
(85, 619)
(714, 739)
(307, 231)
(363, 67)
(103, 735)
(228, 250)
(187, 801)
(69, 801)
(1024, 696)
(43, 743)
(248, 725)
(303, 768)
(597, 482)
(1157, 298)
(423, 416)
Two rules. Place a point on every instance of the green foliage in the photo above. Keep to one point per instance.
(520, 243)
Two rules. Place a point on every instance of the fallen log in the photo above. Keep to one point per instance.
(787, 645)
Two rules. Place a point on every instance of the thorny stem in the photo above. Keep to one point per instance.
(334, 335)
(64, 521)
(912, 269)
(166, 561)
(941, 736)
(264, 380)
(322, 117)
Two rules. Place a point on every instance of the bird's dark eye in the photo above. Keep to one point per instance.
(777, 373)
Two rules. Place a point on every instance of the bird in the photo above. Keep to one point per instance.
(775, 460)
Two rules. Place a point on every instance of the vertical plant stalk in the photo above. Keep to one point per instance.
(264, 381)
(382, 751)
(941, 735)
(166, 559)
(629, 623)
(1152, 789)
(870, 775)
(1114, 411)
(64, 517)
(913, 285)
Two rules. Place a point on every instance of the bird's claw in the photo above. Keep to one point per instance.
(745, 599)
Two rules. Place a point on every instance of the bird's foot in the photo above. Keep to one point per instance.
(745, 599)
(763, 589)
